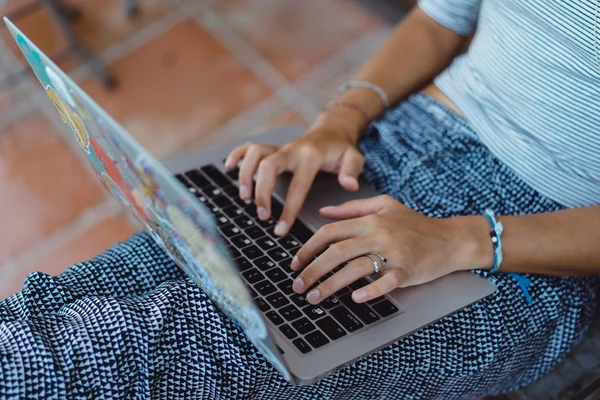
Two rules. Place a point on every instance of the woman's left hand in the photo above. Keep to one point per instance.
(418, 249)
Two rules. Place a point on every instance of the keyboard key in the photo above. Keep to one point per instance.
(302, 346)
(301, 231)
(213, 193)
(244, 222)
(303, 325)
(240, 241)
(252, 252)
(299, 299)
(288, 331)
(358, 284)
(243, 264)
(278, 255)
(330, 302)
(265, 288)
(230, 230)
(342, 291)
(233, 211)
(264, 263)
(331, 328)
(234, 173)
(254, 232)
(385, 308)
(375, 300)
(274, 317)
(242, 203)
(286, 286)
(316, 339)
(232, 191)
(217, 176)
(253, 293)
(253, 275)
(276, 208)
(222, 201)
(270, 223)
(233, 252)
(262, 304)
(278, 300)
(289, 242)
(361, 310)
(221, 219)
(266, 243)
(285, 264)
(290, 312)
(251, 211)
(346, 319)
(197, 178)
(313, 312)
(276, 275)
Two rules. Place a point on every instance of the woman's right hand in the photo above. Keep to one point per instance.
(330, 145)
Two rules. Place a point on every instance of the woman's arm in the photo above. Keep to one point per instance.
(555, 243)
(418, 49)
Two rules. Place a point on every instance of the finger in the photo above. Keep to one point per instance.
(353, 271)
(352, 164)
(268, 169)
(355, 208)
(335, 255)
(388, 282)
(236, 155)
(331, 233)
(252, 158)
(299, 187)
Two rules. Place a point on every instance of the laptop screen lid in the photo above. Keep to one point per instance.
(177, 221)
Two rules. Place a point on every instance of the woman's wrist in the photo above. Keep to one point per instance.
(472, 244)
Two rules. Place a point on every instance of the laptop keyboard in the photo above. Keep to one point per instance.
(264, 258)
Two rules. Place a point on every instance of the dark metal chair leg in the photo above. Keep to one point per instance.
(97, 67)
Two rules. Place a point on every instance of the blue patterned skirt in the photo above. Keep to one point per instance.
(129, 325)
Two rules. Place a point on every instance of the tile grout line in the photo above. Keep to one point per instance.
(62, 236)
(216, 26)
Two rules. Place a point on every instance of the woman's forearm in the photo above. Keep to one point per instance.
(417, 50)
(556, 243)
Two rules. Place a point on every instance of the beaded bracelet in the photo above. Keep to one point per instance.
(495, 234)
(347, 104)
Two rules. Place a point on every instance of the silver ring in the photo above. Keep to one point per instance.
(376, 267)
(383, 260)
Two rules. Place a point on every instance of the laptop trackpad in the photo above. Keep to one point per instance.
(325, 191)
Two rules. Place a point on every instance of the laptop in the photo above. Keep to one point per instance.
(190, 206)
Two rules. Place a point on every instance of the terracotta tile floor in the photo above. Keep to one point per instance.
(191, 73)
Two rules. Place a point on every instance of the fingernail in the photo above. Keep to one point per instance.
(328, 208)
(298, 285)
(228, 162)
(244, 192)
(359, 295)
(262, 213)
(295, 263)
(280, 228)
(313, 296)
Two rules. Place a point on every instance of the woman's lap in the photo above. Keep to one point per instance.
(143, 327)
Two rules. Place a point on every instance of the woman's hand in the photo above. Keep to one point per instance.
(418, 249)
(329, 145)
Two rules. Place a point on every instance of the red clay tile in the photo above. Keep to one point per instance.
(86, 246)
(177, 88)
(106, 22)
(295, 36)
(44, 185)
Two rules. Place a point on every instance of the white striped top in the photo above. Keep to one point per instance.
(529, 85)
